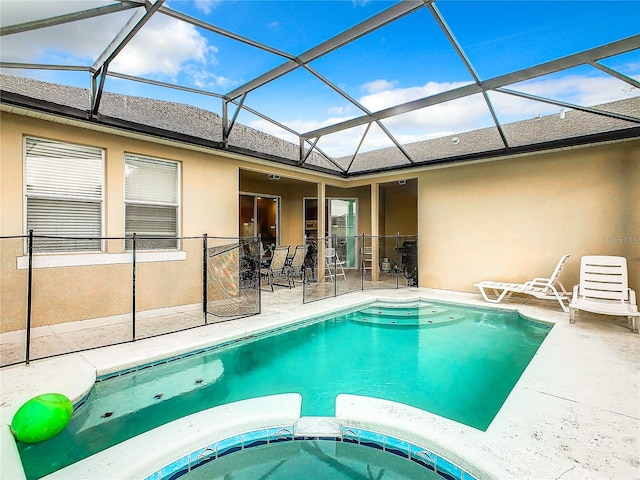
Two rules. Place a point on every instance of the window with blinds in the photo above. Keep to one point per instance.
(64, 194)
(151, 202)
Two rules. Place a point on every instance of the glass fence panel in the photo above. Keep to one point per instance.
(79, 301)
(317, 285)
(233, 278)
(406, 260)
(376, 262)
(168, 293)
(13, 302)
(348, 273)
(378, 272)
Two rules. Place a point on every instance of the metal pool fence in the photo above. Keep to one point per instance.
(342, 264)
(61, 295)
(118, 290)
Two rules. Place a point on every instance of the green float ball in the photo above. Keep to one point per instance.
(41, 418)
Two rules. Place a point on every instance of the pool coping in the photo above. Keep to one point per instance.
(194, 440)
(556, 421)
(166, 447)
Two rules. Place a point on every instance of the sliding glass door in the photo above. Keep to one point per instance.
(343, 226)
(341, 221)
(260, 215)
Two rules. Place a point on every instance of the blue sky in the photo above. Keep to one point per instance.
(408, 59)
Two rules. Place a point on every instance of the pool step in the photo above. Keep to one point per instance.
(316, 427)
(404, 312)
(421, 314)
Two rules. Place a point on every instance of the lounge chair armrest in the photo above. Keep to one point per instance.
(540, 279)
(632, 296)
(538, 282)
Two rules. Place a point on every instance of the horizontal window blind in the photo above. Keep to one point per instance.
(150, 180)
(63, 170)
(74, 221)
(152, 201)
(64, 190)
(151, 220)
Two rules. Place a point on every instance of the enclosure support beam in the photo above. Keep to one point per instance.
(375, 230)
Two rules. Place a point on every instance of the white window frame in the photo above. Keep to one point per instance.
(177, 204)
(62, 194)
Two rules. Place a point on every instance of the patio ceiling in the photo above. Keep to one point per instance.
(393, 132)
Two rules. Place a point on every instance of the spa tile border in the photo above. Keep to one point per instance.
(423, 457)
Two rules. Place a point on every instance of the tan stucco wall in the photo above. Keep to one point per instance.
(401, 209)
(503, 220)
(209, 204)
(631, 211)
(511, 220)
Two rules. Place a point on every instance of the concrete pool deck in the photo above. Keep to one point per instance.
(574, 413)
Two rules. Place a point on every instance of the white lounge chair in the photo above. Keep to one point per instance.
(367, 258)
(333, 265)
(278, 267)
(297, 262)
(543, 288)
(604, 289)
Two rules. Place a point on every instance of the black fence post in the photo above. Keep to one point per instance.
(29, 288)
(260, 274)
(335, 265)
(133, 287)
(205, 293)
(417, 274)
(395, 258)
(362, 270)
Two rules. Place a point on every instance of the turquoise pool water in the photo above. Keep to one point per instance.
(457, 362)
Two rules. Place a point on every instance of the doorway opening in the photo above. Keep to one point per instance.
(260, 215)
(340, 224)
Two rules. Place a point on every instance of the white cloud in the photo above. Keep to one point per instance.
(340, 110)
(381, 99)
(205, 79)
(576, 89)
(377, 86)
(206, 6)
(162, 47)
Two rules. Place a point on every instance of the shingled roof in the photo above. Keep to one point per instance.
(201, 127)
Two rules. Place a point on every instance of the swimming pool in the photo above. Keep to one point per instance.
(457, 362)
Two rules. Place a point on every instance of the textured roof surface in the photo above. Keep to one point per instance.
(168, 116)
(549, 128)
(199, 124)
